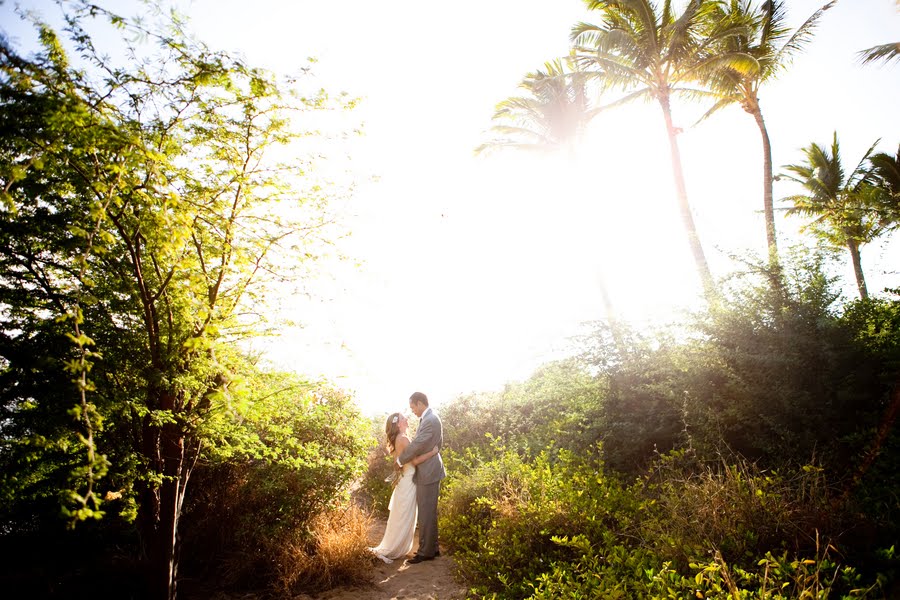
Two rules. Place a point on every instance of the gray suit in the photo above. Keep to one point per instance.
(428, 479)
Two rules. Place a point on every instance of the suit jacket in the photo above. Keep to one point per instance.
(429, 435)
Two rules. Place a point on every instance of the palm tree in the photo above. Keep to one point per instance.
(770, 42)
(838, 203)
(554, 114)
(886, 177)
(653, 53)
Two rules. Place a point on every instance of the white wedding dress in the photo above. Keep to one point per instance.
(401, 524)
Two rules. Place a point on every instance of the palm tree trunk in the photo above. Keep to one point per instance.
(615, 327)
(853, 246)
(887, 423)
(687, 217)
(768, 202)
(774, 272)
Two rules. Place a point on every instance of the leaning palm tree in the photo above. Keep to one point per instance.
(654, 54)
(772, 44)
(839, 204)
(552, 116)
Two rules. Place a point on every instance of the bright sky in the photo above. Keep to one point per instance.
(478, 269)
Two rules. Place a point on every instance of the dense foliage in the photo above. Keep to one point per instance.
(270, 480)
(744, 456)
(149, 206)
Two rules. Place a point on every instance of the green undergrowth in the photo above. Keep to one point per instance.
(556, 526)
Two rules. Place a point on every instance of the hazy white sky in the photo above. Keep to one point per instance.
(477, 269)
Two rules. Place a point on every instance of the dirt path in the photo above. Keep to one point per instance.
(429, 580)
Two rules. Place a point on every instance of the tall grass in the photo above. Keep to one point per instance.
(335, 555)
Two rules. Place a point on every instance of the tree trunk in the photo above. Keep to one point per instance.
(774, 273)
(687, 218)
(615, 327)
(853, 246)
(161, 502)
(884, 429)
(768, 202)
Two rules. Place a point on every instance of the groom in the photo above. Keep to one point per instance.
(428, 475)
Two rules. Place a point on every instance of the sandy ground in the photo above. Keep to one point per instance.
(429, 580)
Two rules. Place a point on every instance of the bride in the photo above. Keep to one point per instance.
(401, 524)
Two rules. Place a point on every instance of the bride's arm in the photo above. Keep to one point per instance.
(423, 457)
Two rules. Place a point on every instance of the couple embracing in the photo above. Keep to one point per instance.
(416, 489)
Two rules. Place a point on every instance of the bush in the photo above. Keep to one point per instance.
(501, 518)
(556, 407)
(373, 491)
(262, 501)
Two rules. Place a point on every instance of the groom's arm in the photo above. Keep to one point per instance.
(424, 442)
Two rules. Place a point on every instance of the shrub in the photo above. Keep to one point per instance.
(556, 407)
(335, 555)
(501, 518)
(267, 485)
(372, 491)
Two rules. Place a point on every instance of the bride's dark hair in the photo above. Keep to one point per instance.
(392, 429)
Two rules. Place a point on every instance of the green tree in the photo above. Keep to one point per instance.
(772, 44)
(838, 202)
(145, 216)
(656, 54)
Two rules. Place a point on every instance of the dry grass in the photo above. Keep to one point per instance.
(337, 555)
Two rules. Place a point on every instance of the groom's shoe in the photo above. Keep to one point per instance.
(417, 559)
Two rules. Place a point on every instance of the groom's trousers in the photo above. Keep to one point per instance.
(426, 501)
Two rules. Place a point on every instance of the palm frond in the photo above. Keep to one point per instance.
(617, 71)
(696, 94)
(716, 107)
(679, 33)
(619, 42)
(639, 18)
(886, 169)
(884, 52)
(800, 37)
(639, 10)
(585, 34)
(862, 175)
(740, 64)
(772, 24)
